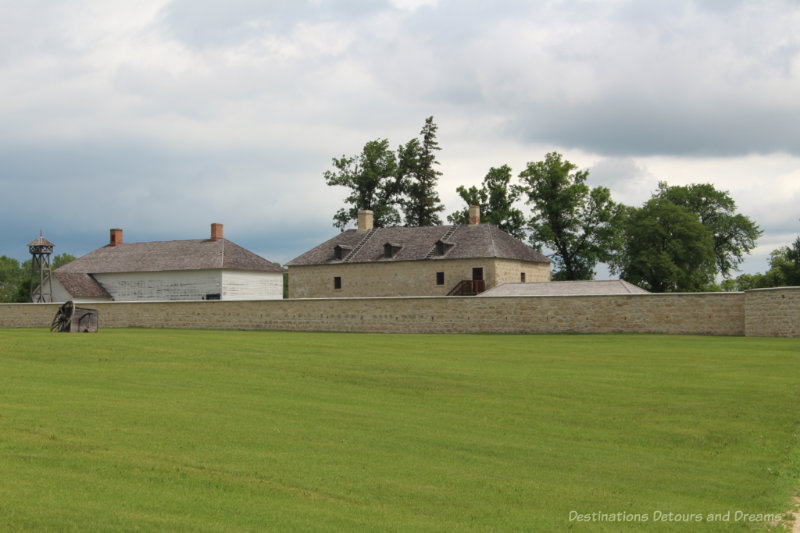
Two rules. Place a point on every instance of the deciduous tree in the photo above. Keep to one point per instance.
(372, 179)
(496, 198)
(11, 276)
(666, 249)
(581, 225)
(784, 270)
(733, 234)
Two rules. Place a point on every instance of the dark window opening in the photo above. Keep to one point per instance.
(214, 296)
(391, 249)
(522, 277)
(340, 251)
(337, 282)
(440, 278)
(442, 247)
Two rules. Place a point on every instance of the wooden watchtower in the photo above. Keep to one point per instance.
(41, 249)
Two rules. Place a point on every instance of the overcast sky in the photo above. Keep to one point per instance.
(161, 117)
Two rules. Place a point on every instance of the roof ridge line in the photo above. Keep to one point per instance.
(625, 285)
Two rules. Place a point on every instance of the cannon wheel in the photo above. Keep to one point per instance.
(63, 317)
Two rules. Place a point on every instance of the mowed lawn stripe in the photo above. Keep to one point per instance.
(249, 431)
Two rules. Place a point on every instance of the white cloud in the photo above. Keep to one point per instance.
(137, 112)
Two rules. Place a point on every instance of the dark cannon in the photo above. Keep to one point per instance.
(74, 319)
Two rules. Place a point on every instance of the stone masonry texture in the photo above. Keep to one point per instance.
(769, 312)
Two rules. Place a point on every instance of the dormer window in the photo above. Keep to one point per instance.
(340, 251)
(390, 250)
(442, 247)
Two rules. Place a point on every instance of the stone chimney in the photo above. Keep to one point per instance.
(364, 220)
(216, 231)
(116, 237)
(474, 215)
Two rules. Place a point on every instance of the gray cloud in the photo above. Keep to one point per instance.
(76, 192)
(629, 182)
(203, 23)
(132, 116)
(621, 128)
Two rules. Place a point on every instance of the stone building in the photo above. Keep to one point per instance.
(422, 261)
(201, 269)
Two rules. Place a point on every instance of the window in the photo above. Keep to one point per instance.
(390, 249)
(440, 278)
(340, 251)
(443, 247)
(337, 282)
(522, 277)
(214, 296)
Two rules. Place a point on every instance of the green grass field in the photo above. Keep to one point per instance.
(163, 430)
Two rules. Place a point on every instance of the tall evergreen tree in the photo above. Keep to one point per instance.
(417, 172)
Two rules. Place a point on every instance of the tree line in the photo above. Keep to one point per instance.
(15, 277)
(390, 183)
(682, 239)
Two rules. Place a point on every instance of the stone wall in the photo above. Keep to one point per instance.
(772, 312)
(757, 313)
(508, 271)
(405, 278)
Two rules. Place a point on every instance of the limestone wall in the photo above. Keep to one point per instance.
(405, 278)
(773, 312)
(758, 313)
(508, 271)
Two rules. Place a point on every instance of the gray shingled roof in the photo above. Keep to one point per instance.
(163, 256)
(158, 256)
(81, 285)
(415, 244)
(565, 288)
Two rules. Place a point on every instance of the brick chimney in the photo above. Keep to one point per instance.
(216, 231)
(474, 215)
(116, 237)
(364, 220)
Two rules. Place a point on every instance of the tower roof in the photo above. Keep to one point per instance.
(41, 241)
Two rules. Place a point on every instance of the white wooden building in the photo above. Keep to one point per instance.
(201, 269)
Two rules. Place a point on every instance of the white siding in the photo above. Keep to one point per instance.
(60, 294)
(240, 285)
(159, 286)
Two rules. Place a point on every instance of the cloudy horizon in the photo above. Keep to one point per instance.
(165, 116)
